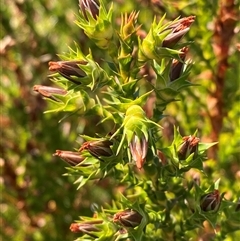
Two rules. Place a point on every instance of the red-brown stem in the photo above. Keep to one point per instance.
(223, 34)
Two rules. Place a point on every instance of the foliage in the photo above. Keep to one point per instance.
(111, 97)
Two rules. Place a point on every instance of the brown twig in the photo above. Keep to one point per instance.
(223, 34)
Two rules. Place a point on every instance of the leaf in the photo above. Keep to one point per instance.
(202, 147)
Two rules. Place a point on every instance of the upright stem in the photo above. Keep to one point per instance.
(223, 34)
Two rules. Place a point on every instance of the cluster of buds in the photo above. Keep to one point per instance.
(98, 149)
(95, 227)
(189, 146)
(96, 22)
(211, 201)
(136, 128)
(128, 218)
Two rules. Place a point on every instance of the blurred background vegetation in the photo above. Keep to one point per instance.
(37, 201)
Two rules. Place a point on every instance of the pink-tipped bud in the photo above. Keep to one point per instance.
(91, 6)
(49, 92)
(87, 227)
(179, 29)
(138, 147)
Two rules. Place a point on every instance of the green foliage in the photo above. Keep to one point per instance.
(127, 127)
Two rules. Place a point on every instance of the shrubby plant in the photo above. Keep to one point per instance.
(159, 198)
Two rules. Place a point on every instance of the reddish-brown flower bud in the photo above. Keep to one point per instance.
(179, 29)
(162, 157)
(72, 158)
(69, 69)
(86, 227)
(177, 66)
(98, 148)
(210, 201)
(189, 146)
(128, 218)
(138, 147)
(49, 92)
(92, 6)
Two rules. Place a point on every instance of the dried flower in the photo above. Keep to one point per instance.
(69, 69)
(90, 6)
(128, 218)
(98, 148)
(86, 227)
(138, 147)
(49, 92)
(189, 146)
(72, 158)
(177, 66)
(210, 201)
(179, 29)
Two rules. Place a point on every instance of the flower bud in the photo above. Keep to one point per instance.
(86, 227)
(136, 134)
(161, 38)
(49, 92)
(72, 158)
(138, 147)
(189, 146)
(128, 218)
(210, 201)
(96, 22)
(177, 66)
(162, 158)
(98, 148)
(91, 6)
(179, 29)
(128, 25)
(69, 69)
